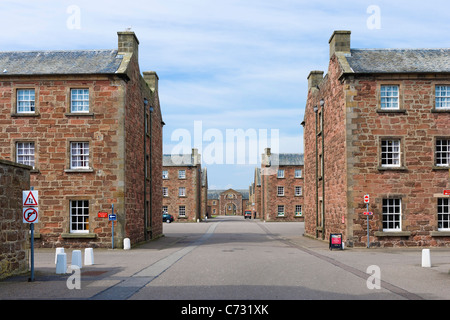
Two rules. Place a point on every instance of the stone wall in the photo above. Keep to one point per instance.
(14, 179)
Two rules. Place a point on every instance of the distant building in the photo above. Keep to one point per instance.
(378, 124)
(90, 125)
(227, 202)
(185, 186)
(282, 188)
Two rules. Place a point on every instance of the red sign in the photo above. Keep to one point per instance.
(446, 192)
(366, 198)
(368, 213)
(103, 214)
(336, 240)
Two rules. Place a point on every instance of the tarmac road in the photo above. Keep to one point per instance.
(229, 258)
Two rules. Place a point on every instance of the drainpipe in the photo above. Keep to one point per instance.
(317, 179)
(322, 104)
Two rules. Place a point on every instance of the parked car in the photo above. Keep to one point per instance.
(167, 218)
(247, 214)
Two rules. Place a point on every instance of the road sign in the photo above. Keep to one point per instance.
(30, 215)
(112, 217)
(366, 198)
(446, 192)
(30, 198)
(368, 213)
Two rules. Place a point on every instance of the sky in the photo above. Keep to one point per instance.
(227, 69)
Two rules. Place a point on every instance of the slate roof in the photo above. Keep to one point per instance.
(182, 160)
(215, 194)
(287, 159)
(399, 60)
(60, 62)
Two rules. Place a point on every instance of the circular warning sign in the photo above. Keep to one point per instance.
(30, 215)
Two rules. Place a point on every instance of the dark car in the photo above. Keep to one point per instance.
(167, 218)
(247, 214)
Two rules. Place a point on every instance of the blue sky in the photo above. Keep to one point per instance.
(229, 65)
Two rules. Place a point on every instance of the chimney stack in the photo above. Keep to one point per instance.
(340, 42)
(128, 42)
(152, 79)
(314, 79)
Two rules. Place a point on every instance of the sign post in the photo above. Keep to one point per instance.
(366, 201)
(112, 218)
(30, 215)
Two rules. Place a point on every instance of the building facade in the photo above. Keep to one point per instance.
(228, 202)
(377, 124)
(90, 125)
(184, 186)
(282, 187)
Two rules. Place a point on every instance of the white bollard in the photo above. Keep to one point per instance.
(76, 258)
(61, 263)
(426, 258)
(126, 244)
(58, 250)
(88, 257)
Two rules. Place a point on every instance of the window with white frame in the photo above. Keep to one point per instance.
(280, 211)
(165, 209)
(79, 100)
(165, 174)
(298, 210)
(442, 97)
(25, 153)
(443, 152)
(165, 191)
(443, 210)
(182, 211)
(182, 191)
(280, 191)
(79, 216)
(79, 155)
(390, 153)
(298, 173)
(392, 214)
(181, 174)
(389, 96)
(280, 173)
(298, 191)
(25, 101)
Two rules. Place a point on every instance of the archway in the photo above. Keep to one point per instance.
(230, 209)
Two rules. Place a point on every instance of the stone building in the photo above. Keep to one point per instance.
(184, 186)
(377, 124)
(282, 187)
(228, 202)
(90, 125)
(14, 236)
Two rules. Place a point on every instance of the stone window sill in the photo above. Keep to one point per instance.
(440, 233)
(79, 170)
(402, 168)
(80, 114)
(393, 233)
(440, 111)
(25, 115)
(391, 111)
(79, 235)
